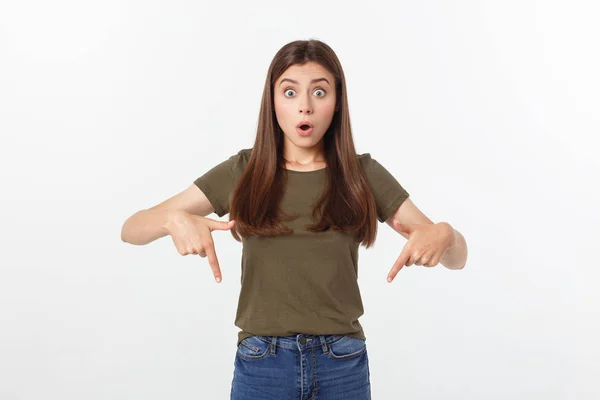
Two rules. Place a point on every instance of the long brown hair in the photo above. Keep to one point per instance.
(346, 204)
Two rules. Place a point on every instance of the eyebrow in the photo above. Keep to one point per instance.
(296, 82)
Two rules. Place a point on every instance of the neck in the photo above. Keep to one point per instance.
(304, 156)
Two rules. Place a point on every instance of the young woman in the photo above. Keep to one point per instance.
(300, 201)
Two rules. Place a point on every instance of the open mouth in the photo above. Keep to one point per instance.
(304, 125)
(304, 128)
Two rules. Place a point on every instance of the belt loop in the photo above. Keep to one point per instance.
(324, 344)
(273, 344)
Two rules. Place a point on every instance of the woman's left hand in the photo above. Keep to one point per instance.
(426, 245)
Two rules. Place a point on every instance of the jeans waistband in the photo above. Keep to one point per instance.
(300, 341)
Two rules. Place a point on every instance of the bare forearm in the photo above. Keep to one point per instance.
(146, 226)
(456, 255)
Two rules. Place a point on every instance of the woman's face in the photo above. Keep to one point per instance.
(304, 93)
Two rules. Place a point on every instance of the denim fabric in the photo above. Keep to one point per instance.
(301, 367)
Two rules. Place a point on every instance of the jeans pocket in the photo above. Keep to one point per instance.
(347, 347)
(253, 348)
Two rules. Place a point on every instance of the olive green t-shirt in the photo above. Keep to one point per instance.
(302, 282)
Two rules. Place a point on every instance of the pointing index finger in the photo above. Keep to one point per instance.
(213, 262)
(400, 261)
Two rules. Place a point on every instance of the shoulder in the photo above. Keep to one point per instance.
(244, 154)
(366, 161)
(239, 161)
(241, 158)
(373, 169)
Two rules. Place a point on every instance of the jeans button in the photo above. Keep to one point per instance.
(303, 341)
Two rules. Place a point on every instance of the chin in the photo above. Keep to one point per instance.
(306, 142)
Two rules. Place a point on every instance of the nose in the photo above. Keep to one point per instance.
(305, 107)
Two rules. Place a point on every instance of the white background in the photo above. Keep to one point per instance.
(485, 111)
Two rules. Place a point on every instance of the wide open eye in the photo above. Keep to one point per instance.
(316, 90)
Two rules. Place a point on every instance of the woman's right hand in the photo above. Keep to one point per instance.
(191, 234)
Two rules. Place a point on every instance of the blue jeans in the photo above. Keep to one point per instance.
(301, 367)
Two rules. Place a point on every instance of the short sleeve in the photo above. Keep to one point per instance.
(217, 184)
(387, 191)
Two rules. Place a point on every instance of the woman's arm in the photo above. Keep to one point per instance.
(146, 226)
(408, 213)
